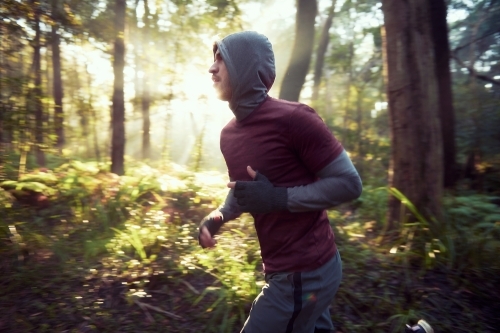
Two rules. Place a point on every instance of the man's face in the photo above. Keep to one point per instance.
(220, 77)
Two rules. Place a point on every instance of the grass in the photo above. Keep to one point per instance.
(105, 254)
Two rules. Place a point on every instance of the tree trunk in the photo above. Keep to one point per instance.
(359, 129)
(82, 111)
(302, 50)
(347, 108)
(2, 143)
(146, 97)
(3, 108)
(90, 103)
(438, 13)
(57, 88)
(40, 156)
(384, 55)
(321, 51)
(3, 101)
(118, 114)
(413, 95)
(58, 13)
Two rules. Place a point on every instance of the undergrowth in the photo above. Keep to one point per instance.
(85, 250)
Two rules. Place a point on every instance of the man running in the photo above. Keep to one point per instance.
(285, 169)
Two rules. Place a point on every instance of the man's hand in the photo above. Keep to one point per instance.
(259, 196)
(209, 226)
(204, 238)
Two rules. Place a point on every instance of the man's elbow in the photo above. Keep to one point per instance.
(356, 188)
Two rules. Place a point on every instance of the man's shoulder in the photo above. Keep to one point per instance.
(272, 102)
(230, 124)
(288, 109)
(296, 110)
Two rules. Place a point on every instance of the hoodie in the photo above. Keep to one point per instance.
(249, 60)
(292, 146)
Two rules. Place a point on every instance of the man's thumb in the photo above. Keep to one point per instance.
(251, 172)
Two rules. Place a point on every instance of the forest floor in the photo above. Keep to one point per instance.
(87, 277)
(41, 294)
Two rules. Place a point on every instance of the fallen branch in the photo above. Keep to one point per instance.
(145, 306)
(145, 309)
(190, 286)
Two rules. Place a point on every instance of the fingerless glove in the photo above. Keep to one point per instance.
(212, 222)
(260, 196)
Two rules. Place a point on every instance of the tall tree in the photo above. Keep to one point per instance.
(321, 51)
(56, 68)
(416, 159)
(302, 50)
(146, 94)
(37, 90)
(118, 114)
(439, 26)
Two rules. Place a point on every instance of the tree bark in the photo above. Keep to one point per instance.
(118, 113)
(359, 129)
(347, 108)
(302, 50)
(40, 155)
(384, 55)
(82, 109)
(3, 104)
(57, 88)
(90, 103)
(321, 51)
(146, 97)
(438, 13)
(416, 159)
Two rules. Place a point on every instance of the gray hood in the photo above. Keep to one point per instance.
(249, 60)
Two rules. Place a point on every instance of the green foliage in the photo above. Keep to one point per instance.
(233, 264)
(473, 234)
(26, 186)
(467, 237)
(373, 204)
(133, 239)
(6, 199)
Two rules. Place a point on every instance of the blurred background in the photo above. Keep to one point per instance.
(109, 158)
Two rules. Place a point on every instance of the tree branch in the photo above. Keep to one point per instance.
(458, 48)
(473, 72)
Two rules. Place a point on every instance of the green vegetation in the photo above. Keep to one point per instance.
(85, 250)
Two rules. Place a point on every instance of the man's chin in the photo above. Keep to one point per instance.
(221, 96)
(218, 95)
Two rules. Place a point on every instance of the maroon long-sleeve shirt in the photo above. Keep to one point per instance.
(288, 143)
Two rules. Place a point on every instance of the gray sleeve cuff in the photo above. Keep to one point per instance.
(339, 182)
(281, 198)
(230, 209)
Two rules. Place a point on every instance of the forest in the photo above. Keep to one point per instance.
(110, 158)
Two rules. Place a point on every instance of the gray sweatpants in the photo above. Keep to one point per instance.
(296, 302)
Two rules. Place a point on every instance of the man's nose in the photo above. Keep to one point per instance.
(212, 69)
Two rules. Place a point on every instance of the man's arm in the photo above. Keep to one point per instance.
(230, 209)
(339, 182)
(211, 224)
